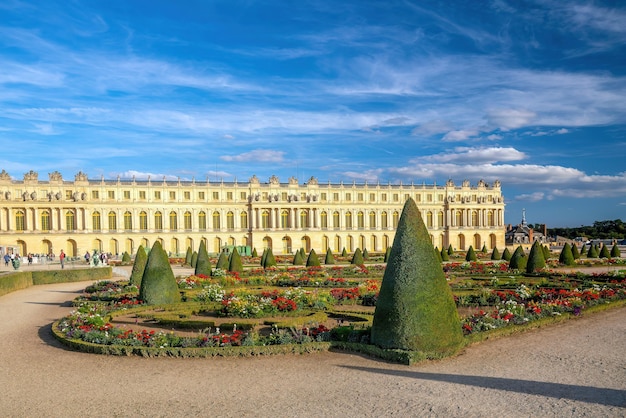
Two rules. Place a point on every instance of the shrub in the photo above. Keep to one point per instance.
(194, 259)
(495, 254)
(546, 252)
(203, 264)
(518, 261)
(471, 255)
(126, 258)
(438, 255)
(506, 255)
(583, 251)
(188, 255)
(444, 255)
(158, 284)
(269, 261)
(263, 256)
(222, 261)
(254, 253)
(313, 260)
(592, 252)
(329, 259)
(344, 253)
(615, 253)
(415, 309)
(484, 249)
(536, 261)
(141, 258)
(297, 259)
(575, 252)
(604, 252)
(567, 257)
(357, 258)
(235, 265)
(450, 250)
(366, 255)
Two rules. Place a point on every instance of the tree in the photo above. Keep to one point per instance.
(438, 255)
(471, 255)
(484, 249)
(329, 259)
(604, 252)
(536, 261)
(312, 260)
(203, 264)
(126, 258)
(575, 252)
(615, 253)
(450, 250)
(222, 261)
(194, 259)
(357, 258)
(415, 309)
(269, 261)
(297, 259)
(158, 284)
(495, 254)
(366, 255)
(263, 256)
(254, 253)
(567, 257)
(583, 251)
(188, 255)
(518, 259)
(592, 252)
(506, 254)
(387, 251)
(546, 252)
(235, 265)
(141, 258)
(344, 253)
(444, 255)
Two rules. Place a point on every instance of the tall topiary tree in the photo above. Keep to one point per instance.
(615, 253)
(471, 255)
(444, 255)
(269, 261)
(518, 259)
(194, 259)
(366, 255)
(604, 252)
(450, 250)
(566, 257)
(592, 252)
(329, 259)
(297, 259)
(484, 249)
(222, 261)
(495, 254)
(506, 254)
(583, 251)
(415, 308)
(312, 260)
(188, 255)
(263, 256)
(546, 252)
(302, 253)
(575, 252)
(126, 258)
(138, 267)
(203, 264)
(235, 265)
(387, 252)
(158, 284)
(536, 262)
(254, 253)
(357, 258)
(344, 253)
(438, 254)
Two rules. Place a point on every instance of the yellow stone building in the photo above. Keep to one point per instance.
(46, 216)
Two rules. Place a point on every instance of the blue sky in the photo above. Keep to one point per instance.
(528, 92)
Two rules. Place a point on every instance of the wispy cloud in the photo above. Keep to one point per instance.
(259, 155)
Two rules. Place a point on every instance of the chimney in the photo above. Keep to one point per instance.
(530, 235)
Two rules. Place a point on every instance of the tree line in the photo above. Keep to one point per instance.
(599, 229)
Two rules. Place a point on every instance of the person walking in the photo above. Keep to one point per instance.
(62, 258)
(7, 258)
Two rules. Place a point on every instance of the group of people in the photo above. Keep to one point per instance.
(96, 257)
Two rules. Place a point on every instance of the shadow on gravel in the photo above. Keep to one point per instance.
(588, 394)
(45, 333)
(66, 304)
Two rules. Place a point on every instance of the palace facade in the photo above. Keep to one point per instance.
(46, 216)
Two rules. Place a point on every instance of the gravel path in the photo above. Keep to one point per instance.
(572, 369)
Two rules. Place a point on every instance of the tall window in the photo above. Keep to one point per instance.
(336, 222)
(96, 221)
(372, 219)
(474, 218)
(216, 220)
(348, 219)
(112, 221)
(19, 221)
(45, 221)
(128, 221)
(70, 221)
(440, 219)
(360, 220)
(187, 220)
(265, 219)
(202, 221)
(284, 219)
(429, 219)
(384, 223)
(324, 221)
(173, 221)
(459, 218)
(244, 220)
(230, 221)
(304, 219)
(158, 221)
(396, 216)
(143, 221)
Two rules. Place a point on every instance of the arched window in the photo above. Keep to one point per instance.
(243, 218)
(490, 219)
(372, 219)
(158, 221)
(96, 222)
(304, 219)
(173, 221)
(396, 217)
(474, 218)
(112, 221)
(128, 221)
(459, 220)
(429, 219)
(70, 221)
(202, 221)
(440, 219)
(45, 221)
(284, 219)
(360, 220)
(19, 221)
(384, 223)
(217, 221)
(324, 224)
(336, 219)
(348, 219)
(187, 221)
(265, 219)
(143, 221)
(230, 221)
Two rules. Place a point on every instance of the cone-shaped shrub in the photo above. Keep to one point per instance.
(302, 253)
(415, 308)
(222, 261)
(444, 255)
(254, 253)
(126, 258)
(450, 250)
(357, 258)
(484, 249)
(263, 256)
(194, 259)
(366, 255)
(518, 259)
(138, 267)
(438, 255)
(203, 264)
(575, 252)
(313, 260)
(583, 251)
(188, 255)
(235, 265)
(344, 253)
(471, 255)
(158, 284)
(536, 262)
(269, 261)
(615, 253)
(546, 252)
(592, 252)
(495, 254)
(506, 255)
(566, 257)
(604, 252)
(387, 252)
(297, 259)
(329, 259)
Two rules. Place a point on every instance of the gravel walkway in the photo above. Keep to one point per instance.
(573, 369)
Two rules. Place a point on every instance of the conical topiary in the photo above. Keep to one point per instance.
(357, 258)
(575, 252)
(344, 253)
(203, 264)
(387, 252)
(506, 255)
(126, 258)
(222, 261)
(592, 252)
(484, 249)
(139, 266)
(444, 255)
(158, 284)
(615, 252)
(366, 255)
(438, 255)
(297, 259)
(471, 255)
(194, 259)
(415, 308)
(254, 253)
(188, 255)
(269, 261)
(546, 252)
(329, 259)
(566, 257)
(535, 262)
(518, 259)
(604, 252)
(302, 253)
(583, 251)
(450, 250)
(263, 256)
(495, 254)
(235, 265)
(312, 260)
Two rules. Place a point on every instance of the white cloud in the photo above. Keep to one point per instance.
(494, 137)
(259, 155)
(562, 131)
(474, 155)
(531, 197)
(507, 119)
(461, 135)
(370, 176)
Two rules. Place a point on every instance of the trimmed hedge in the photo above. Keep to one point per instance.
(15, 281)
(24, 279)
